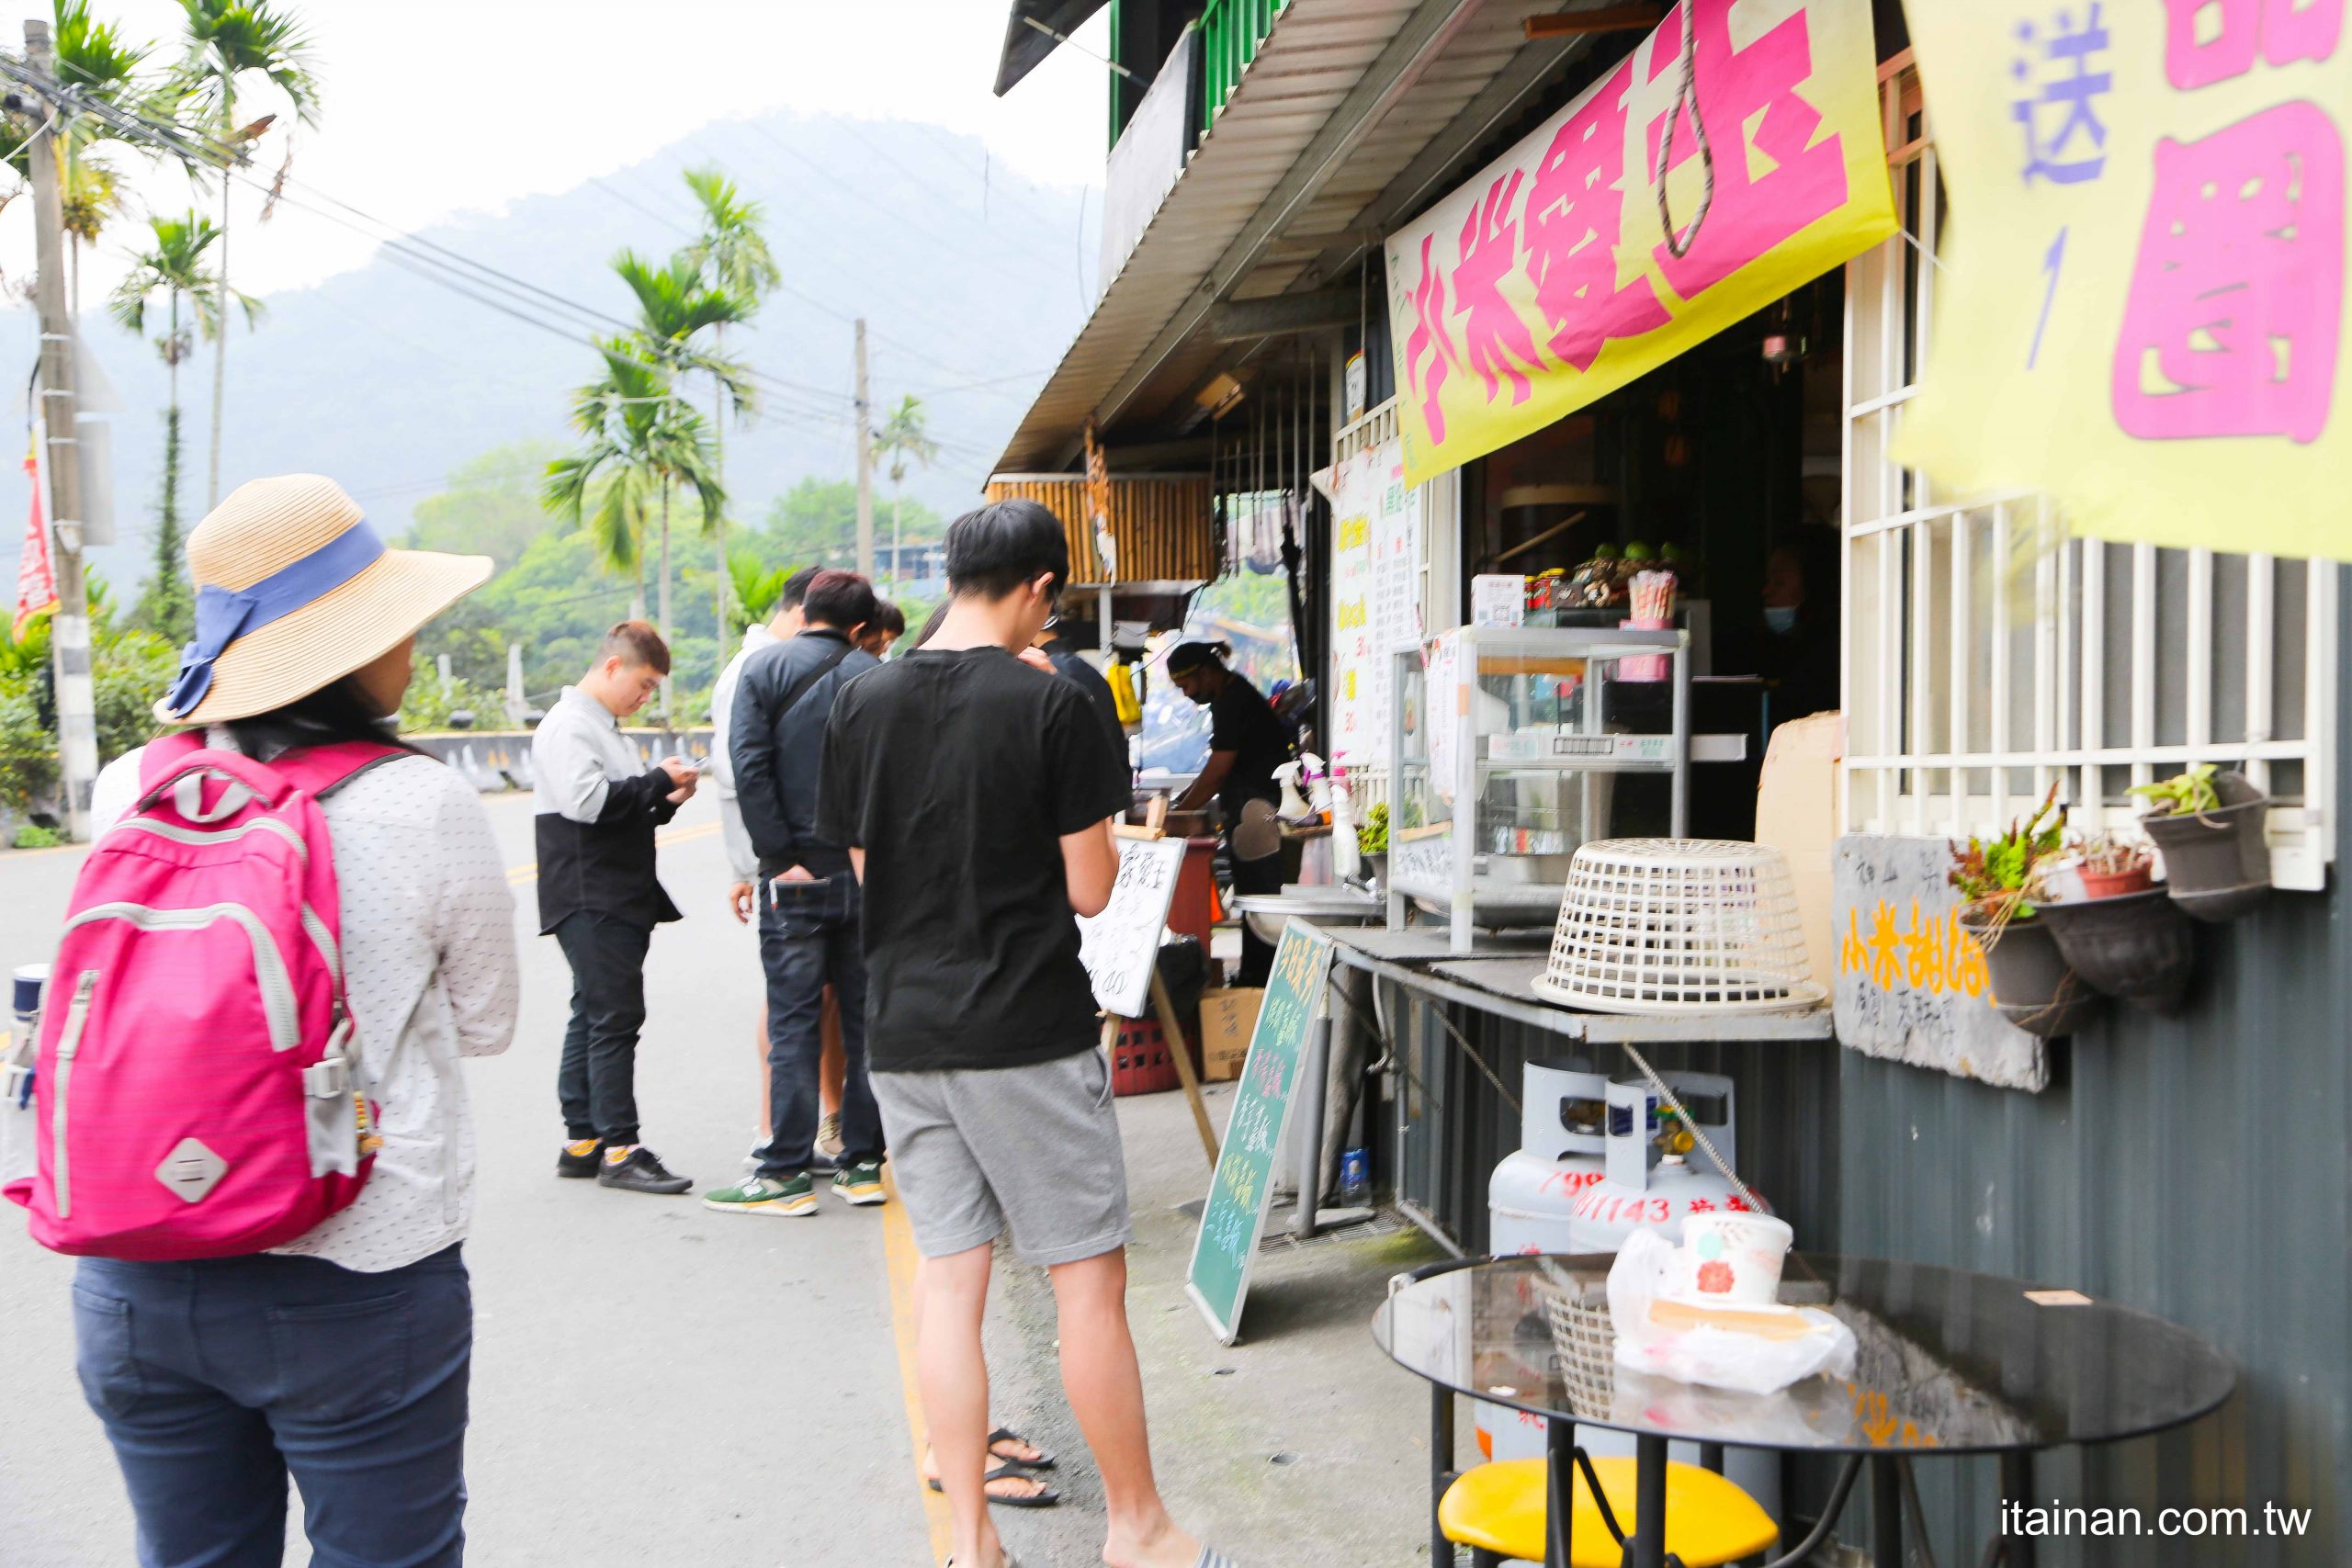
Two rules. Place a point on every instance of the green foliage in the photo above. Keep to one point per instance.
(33, 836)
(2187, 794)
(815, 522)
(730, 253)
(489, 508)
(430, 700)
(176, 266)
(1372, 836)
(757, 587)
(27, 747)
(1261, 601)
(132, 671)
(225, 38)
(2002, 874)
(166, 604)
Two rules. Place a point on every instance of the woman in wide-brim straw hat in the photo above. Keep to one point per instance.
(343, 1356)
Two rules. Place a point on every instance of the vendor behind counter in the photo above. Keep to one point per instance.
(1246, 743)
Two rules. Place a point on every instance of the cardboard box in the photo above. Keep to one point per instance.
(1227, 1017)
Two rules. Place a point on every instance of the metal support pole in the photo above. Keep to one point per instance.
(1886, 1512)
(2017, 1486)
(1645, 1548)
(1306, 1124)
(1560, 1491)
(1441, 1466)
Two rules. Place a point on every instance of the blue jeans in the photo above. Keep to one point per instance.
(214, 1379)
(808, 939)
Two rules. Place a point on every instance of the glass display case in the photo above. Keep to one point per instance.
(1509, 746)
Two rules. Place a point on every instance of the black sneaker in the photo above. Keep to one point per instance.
(641, 1170)
(581, 1160)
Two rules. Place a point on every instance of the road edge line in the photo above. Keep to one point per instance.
(898, 1253)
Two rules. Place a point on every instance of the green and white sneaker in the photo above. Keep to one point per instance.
(766, 1195)
(861, 1184)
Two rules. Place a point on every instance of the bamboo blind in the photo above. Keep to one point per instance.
(1163, 526)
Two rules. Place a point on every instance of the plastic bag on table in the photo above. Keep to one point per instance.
(1714, 1357)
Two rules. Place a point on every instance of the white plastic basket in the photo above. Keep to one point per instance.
(1678, 925)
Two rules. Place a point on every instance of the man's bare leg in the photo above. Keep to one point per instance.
(955, 1382)
(1106, 1391)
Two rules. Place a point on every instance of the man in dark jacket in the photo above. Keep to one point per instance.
(809, 901)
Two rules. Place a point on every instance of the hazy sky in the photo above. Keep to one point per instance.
(432, 107)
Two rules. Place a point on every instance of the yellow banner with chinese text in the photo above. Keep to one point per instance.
(1603, 245)
(2141, 296)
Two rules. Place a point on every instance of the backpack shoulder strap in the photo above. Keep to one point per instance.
(161, 755)
(320, 770)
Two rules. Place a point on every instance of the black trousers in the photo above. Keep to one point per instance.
(808, 939)
(597, 1081)
(1264, 875)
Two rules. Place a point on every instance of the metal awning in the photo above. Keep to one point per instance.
(1026, 47)
(1355, 114)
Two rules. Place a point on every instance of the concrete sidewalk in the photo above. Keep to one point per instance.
(1302, 1446)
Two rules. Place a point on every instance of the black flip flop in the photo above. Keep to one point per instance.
(1007, 1435)
(1044, 1497)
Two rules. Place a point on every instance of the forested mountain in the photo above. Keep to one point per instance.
(388, 379)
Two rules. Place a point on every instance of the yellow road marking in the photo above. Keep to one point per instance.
(899, 1251)
(530, 870)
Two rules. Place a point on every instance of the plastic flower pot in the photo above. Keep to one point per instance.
(2216, 863)
(2103, 884)
(2139, 948)
(2032, 987)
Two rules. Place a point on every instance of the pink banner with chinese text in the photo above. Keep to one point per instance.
(2141, 303)
(1565, 270)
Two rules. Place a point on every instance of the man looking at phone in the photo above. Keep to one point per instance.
(807, 901)
(598, 805)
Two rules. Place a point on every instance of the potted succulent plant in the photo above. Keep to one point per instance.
(2208, 825)
(2000, 877)
(2123, 936)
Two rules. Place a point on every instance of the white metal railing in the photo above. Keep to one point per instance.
(1986, 657)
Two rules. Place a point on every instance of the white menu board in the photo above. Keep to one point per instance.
(1375, 597)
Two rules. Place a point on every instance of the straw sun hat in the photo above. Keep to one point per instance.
(294, 591)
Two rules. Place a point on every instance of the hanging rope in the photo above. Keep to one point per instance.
(1686, 101)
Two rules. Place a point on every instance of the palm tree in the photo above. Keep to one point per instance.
(904, 439)
(176, 266)
(731, 253)
(94, 57)
(640, 442)
(674, 305)
(226, 40)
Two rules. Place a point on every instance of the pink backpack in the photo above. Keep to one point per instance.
(195, 1085)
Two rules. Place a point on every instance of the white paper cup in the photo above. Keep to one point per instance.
(1734, 1257)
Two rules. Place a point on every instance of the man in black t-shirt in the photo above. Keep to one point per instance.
(1246, 743)
(975, 793)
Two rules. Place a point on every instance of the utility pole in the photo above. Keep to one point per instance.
(69, 625)
(864, 464)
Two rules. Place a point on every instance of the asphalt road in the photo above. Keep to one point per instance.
(652, 1383)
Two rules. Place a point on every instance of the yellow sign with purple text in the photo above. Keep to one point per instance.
(1713, 171)
(2140, 301)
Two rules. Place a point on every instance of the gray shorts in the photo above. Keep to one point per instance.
(1034, 1146)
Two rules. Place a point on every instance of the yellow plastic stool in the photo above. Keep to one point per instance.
(1498, 1510)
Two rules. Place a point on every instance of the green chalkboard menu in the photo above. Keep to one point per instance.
(1235, 1214)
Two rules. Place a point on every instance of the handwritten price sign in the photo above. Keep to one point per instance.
(1120, 945)
(1234, 1216)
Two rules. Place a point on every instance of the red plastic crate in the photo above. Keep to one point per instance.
(1140, 1062)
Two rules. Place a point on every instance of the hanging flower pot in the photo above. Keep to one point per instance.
(2210, 827)
(2117, 884)
(2138, 947)
(2033, 987)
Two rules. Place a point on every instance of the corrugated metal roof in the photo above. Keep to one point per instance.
(1344, 98)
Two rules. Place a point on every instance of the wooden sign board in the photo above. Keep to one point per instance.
(1234, 1216)
(1120, 945)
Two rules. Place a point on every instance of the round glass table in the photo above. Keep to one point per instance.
(1948, 1362)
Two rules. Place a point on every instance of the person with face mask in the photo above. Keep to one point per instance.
(1246, 743)
(1796, 648)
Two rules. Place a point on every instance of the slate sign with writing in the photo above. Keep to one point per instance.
(1234, 1216)
(1120, 945)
